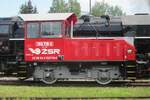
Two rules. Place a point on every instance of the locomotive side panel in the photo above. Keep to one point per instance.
(97, 50)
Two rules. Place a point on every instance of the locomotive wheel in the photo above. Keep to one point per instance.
(49, 78)
(103, 81)
(104, 77)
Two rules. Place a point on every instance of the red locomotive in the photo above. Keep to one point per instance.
(56, 47)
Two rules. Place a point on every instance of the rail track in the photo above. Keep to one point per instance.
(74, 98)
(30, 82)
(16, 82)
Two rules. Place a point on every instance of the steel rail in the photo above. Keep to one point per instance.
(74, 98)
(76, 83)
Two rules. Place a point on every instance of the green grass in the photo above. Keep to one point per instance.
(32, 91)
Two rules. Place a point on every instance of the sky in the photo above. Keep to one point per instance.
(11, 7)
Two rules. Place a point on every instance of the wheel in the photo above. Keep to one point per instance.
(103, 77)
(49, 78)
(49, 82)
(103, 81)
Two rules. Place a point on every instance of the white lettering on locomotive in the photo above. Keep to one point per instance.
(36, 51)
(51, 44)
(39, 51)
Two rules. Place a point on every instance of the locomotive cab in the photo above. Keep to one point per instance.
(44, 35)
(9, 32)
(10, 44)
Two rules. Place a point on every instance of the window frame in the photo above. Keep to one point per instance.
(40, 28)
(27, 30)
(8, 29)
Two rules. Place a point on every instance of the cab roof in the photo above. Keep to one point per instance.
(48, 17)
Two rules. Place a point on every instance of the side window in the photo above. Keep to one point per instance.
(56, 28)
(33, 30)
(50, 29)
(4, 29)
(46, 28)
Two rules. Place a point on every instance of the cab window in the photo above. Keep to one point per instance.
(50, 29)
(4, 29)
(33, 30)
(44, 29)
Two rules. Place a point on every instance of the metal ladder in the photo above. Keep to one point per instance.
(131, 71)
(22, 71)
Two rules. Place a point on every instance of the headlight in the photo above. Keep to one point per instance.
(129, 51)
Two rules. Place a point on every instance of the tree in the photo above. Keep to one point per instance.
(74, 6)
(102, 8)
(59, 6)
(27, 8)
(35, 10)
(115, 11)
(99, 9)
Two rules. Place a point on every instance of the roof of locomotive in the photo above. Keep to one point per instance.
(136, 20)
(46, 17)
(6, 20)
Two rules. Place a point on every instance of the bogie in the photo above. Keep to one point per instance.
(102, 74)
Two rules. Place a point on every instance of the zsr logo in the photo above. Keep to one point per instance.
(39, 51)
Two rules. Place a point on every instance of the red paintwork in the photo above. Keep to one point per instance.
(97, 50)
(80, 50)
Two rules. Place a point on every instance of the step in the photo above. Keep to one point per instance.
(22, 66)
(23, 63)
(130, 66)
(131, 72)
(131, 78)
(20, 72)
(22, 78)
